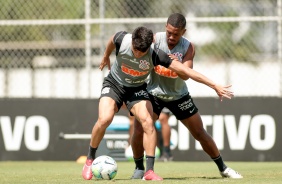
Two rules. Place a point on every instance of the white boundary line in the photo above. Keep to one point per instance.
(88, 136)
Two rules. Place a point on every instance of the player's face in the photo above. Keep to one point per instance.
(173, 35)
(137, 53)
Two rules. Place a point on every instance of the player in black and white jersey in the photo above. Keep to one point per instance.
(125, 83)
(168, 89)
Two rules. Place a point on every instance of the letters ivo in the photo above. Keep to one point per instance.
(35, 129)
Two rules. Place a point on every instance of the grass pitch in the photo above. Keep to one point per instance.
(172, 172)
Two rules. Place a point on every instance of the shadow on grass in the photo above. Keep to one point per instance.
(188, 178)
(171, 179)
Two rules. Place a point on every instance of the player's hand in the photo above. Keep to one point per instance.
(173, 57)
(224, 91)
(105, 61)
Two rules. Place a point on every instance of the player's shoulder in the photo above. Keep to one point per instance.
(185, 39)
(159, 37)
(160, 33)
(120, 35)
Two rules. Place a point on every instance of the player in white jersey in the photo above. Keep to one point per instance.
(168, 89)
(125, 83)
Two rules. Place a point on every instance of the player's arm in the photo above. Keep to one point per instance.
(188, 60)
(171, 62)
(113, 43)
(106, 58)
(222, 91)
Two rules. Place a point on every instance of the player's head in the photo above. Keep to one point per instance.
(175, 28)
(177, 20)
(142, 39)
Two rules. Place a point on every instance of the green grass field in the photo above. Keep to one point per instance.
(172, 172)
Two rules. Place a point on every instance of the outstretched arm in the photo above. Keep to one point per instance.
(106, 58)
(222, 91)
(188, 60)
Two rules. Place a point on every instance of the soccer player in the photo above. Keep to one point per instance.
(167, 89)
(126, 84)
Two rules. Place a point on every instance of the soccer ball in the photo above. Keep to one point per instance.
(104, 167)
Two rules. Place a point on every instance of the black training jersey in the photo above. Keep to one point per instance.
(130, 71)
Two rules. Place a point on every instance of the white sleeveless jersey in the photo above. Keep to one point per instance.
(130, 71)
(164, 83)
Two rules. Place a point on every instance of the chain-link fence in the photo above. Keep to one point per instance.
(51, 49)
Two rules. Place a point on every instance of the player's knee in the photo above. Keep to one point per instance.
(148, 127)
(103, 122)
(201, 135)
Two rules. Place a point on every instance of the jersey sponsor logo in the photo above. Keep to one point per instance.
(163, 71)
(128, 80)
(144, 65)
(164, 97)
(131, 60)
(132, 72)
(186, 105)
(142, 93)
(105, 90)
(134, 81)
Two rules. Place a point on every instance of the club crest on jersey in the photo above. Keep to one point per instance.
(105, 90)
(179, 55)
(144, 65)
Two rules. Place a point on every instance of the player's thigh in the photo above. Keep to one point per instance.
(107, 109)
(194, 124)
(143, 111)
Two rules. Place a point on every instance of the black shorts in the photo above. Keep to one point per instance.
(182, 108)
(129, 95)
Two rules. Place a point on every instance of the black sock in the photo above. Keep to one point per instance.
(91, 153)
(167, 150)
(150, 163)
(220, 164)
(139, 163)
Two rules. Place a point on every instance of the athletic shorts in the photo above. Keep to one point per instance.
(182, 108)
(129, 95)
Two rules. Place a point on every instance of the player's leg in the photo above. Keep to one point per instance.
(195, 126)
(110, 102)
(143, 112)
(137, 140)
(107, 109)
(131, 124)
(190, 117)
(138, 150)
(166, 130)
(131, 128)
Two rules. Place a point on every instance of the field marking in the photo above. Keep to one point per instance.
(88, 136)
